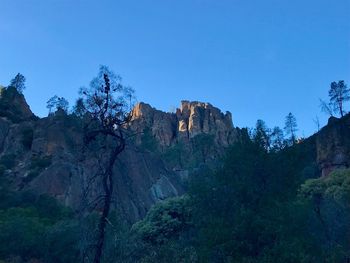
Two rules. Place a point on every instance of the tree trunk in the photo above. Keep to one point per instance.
(102, 227)
(108, 191)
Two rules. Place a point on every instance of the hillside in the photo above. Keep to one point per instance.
(189, 185)
(45, 154)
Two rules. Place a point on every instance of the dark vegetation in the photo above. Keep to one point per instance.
(35, 226)
(6, 106)
(261, 206)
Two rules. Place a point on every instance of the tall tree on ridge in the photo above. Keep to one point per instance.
(18, 82)
(291, 127)
(338, 94)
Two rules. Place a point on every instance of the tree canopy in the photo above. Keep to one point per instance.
(18, 82)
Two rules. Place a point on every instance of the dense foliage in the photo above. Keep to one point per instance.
(35, 227)
(261, 206)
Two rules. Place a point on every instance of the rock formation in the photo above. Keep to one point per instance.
(333, 145)
(191, 119)
(46, 153)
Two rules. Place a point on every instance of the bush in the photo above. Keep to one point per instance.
(165, 220)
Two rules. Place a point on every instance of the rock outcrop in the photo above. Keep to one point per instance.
(46, 154)
(190, 120)
(13, 105)
(333, 145)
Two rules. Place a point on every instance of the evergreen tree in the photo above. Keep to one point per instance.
(62, 104)
(291, 127)
(79, 107)
(338, 93)
(277, 139)
(261, 135)
(51, 103)
(57, 103)
(18, 82)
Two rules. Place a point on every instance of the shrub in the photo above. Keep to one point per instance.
(165, 220)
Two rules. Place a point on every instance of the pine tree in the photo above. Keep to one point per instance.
(291, 127)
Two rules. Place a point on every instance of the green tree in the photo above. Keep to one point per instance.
(338, 93)
(57, 103)
(79, 107)
(62, 104)
(261, 135)
(329, 198)
(291, 127)
(277, 139)
(18, 82)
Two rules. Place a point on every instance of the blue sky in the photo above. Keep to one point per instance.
(257, 59)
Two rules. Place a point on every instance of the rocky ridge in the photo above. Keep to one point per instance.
(333, 145)
(45, 153)
(191, 119)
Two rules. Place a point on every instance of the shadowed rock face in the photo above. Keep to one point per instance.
(333, 145)
(48, 154)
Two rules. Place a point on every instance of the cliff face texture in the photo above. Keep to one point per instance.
(191, 119)
(45, 155)
(333, 145)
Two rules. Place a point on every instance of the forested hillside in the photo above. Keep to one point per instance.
(189, 187)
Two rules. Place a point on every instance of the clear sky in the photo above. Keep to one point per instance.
(259, 59)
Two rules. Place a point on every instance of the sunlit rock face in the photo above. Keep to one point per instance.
(204, 118)
(333, 145)
(160, 123)
(191, 119)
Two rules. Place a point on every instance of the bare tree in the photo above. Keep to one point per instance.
(317, 123)
(326, 108)
(107, 106)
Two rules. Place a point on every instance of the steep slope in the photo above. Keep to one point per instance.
(333, 145)
(45, 155)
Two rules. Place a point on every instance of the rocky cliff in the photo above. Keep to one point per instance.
(333, 145)
(45, 155)
(191, 119)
